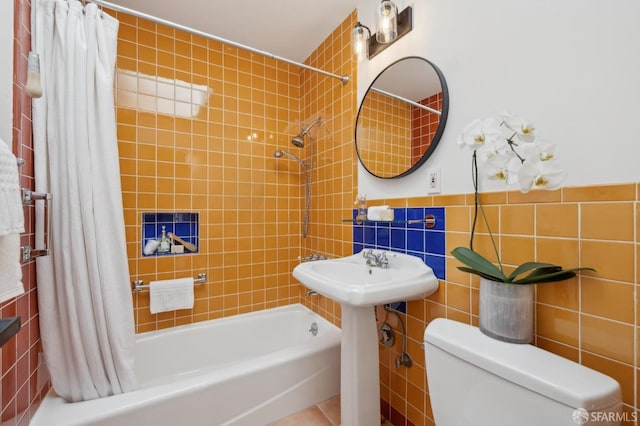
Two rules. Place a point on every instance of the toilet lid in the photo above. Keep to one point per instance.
(533, 368)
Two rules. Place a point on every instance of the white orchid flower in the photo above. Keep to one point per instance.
(472, 136)
(547, 151)
(524, 130)
(479, 134)
(497, 166)
(528, 151)
(507, 148)
(513, 170)
(541, 175)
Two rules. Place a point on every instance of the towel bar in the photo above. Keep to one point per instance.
(138, 285)
(27, 251)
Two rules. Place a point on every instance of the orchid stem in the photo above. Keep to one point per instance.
(478, 206)
(511, 146)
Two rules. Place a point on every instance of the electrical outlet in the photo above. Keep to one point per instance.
(433, 181)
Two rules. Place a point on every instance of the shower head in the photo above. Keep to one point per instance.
(279, 153)
(298, 140)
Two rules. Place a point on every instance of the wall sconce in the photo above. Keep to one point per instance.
(390, 26)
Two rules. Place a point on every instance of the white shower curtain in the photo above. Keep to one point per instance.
(85, 306)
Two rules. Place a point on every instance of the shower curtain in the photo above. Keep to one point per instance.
(85, 306)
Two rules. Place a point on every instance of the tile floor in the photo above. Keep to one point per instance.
(327, 413)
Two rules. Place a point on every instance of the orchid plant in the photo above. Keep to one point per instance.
(509, 148)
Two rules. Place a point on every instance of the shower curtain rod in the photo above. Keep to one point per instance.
(409, 101)
(117, 8)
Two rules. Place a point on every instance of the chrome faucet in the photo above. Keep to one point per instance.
(380, 259)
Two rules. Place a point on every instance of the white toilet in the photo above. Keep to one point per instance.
(476, 380)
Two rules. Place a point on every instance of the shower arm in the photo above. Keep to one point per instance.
(305, 131)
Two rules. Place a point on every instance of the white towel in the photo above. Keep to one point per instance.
(169, 295)
(380, 213)
(11, 225)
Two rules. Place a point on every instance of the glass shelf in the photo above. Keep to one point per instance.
(429, 221)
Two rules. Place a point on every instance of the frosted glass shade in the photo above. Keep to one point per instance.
(387, 22)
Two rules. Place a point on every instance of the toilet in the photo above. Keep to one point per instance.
(476, 380)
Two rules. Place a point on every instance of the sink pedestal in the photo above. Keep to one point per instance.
(358, 286)
(359, 370)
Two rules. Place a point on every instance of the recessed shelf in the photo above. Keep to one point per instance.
(181, 227)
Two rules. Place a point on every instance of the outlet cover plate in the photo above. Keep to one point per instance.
(433, 181)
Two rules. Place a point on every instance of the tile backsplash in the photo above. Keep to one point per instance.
(404, 236)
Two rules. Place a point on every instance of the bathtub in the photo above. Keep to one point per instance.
(248, 369)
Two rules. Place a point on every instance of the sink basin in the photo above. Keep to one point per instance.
(349, 280)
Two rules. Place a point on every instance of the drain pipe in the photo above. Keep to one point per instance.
(404, 358)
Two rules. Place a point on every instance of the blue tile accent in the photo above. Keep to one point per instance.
(398, 239)
(400, 236)
(183, 229)
(399, 217)
(399, 306)
(358, 234)
(185, 225)
(165, 217)
(383, 236)
(370, 235)
(438, 264)
(415, 240)
(435, 242)
(149, 229)
(415, 213)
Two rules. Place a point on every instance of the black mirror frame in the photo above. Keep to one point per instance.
(439, 131)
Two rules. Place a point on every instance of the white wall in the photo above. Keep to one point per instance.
(6, 70)
(572, 67)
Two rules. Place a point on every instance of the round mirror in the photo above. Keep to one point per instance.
(401, 118)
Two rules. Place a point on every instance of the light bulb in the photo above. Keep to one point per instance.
(360, 41)
(387, 22)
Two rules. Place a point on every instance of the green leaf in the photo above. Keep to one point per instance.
(557, 275)
(478, 264)
(525, 267)
(482, 274)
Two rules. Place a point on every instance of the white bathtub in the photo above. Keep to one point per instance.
(249, 369)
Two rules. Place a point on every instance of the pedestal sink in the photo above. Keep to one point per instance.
(359, 282)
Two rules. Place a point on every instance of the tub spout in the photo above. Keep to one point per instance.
(312, 293)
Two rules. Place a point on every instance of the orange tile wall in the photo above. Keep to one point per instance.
(592, 319)
(384, 134)
(424, 125)
(220, 163)
(335, 173)
(20, 391)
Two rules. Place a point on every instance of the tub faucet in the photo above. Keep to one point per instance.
(380, 260)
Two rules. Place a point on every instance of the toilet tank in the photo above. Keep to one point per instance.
(476, 380)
